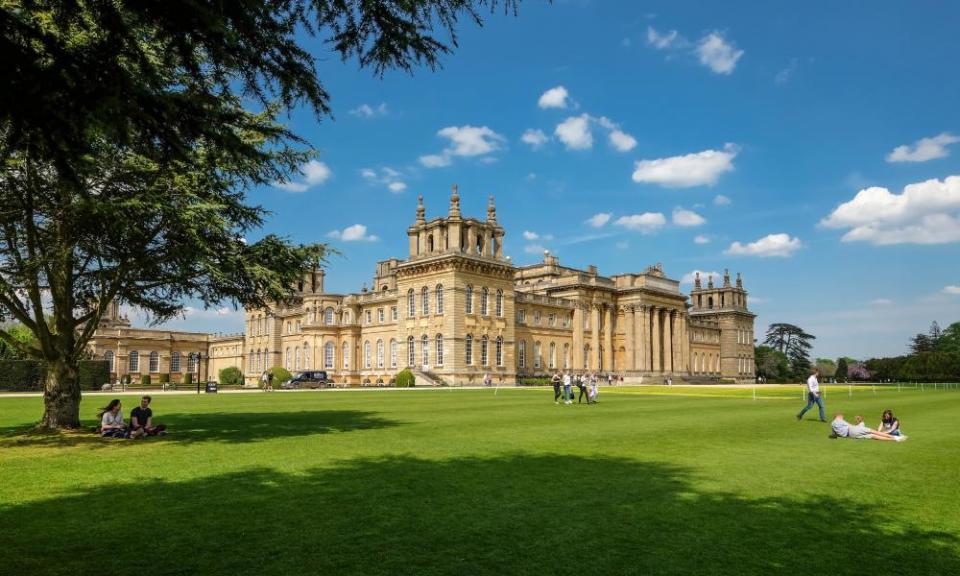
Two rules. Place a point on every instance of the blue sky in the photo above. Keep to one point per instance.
(702, 135)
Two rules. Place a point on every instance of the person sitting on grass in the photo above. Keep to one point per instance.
(890, 424)
(111, 420)
(141, 420)
(843, 429)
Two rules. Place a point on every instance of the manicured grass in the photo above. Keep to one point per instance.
(649, 481)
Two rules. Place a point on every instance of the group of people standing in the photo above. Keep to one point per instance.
(889, 428)
(586, 383)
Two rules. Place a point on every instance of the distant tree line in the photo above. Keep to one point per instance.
(934, 357)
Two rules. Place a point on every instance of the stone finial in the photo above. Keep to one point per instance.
(491, 211)
(726, 277)
(421, 212)
(710, 281)
(454, 202)
(696, 281)
(739, 281)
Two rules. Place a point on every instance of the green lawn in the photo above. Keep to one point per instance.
(649, 481)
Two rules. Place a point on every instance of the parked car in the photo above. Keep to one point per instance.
(308, 379)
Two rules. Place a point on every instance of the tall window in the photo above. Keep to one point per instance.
(484, 295)
(298, 326)
(439, 353)
(536, 317)
(393, 353)
(553, 355)
(469, 303)
(393, 313)
(367, 354)
(328, 351)
(484, 358)
(345, 355)
(328, 316)
(468, 350)
(296, 359)
(499, 351)
(108, 356)
(522, 316)
(261, 360)
(192, 362)
(522, 354)
(133, 361)
(369, 316)
(425, 349)
(425, 301)
(498, 304)
(251, 362)
(289, 327)
(439, 298)
(380, 315)
(306, 356)
(552, 319)
(411, 352)
(566, 356)
(154, 361)
(288, 360)
(379, 353)
(536, 355)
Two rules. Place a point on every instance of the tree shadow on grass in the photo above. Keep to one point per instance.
(514, 515)
(228, 427)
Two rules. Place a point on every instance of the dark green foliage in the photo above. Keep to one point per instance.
(187, 379)
(842, 370)
(22, 337)
(405, 379)
(144, 379)
(772, 364)
(94, 374)
(534, 381)
(794, 343)
(164, 378)
(231, 376)
(280, 375)
(29, 375)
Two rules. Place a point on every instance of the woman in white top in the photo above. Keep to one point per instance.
(111, 420)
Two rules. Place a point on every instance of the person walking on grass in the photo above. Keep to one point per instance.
(567, 388)
(555, 380)
(813, 396)
(582, 387)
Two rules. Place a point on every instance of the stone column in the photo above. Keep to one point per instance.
(643, 340)
(487, 243)
(630, 315)
(594, 337)
(471, 247)
(667, 341)
(608, 338)
(655, 349)
(577, 363)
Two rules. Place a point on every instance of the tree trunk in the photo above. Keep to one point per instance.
(61, 396)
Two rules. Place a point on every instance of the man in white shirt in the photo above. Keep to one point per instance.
(813, 396)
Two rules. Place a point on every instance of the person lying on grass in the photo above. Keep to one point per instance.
(843, 429)
(141, 420)
(111, 420)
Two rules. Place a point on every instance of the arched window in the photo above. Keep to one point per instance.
(439, 352)
(288, 359)
(553, 355)
(522, 354)
(298, 326)
(425, 349)
(251, 362)
(439, 298)
(328, 352)
(175, 362)
(379, 353)
(499, 356)
(328, 315)
(296, 359)
(133, 361)
(345, 355)
(566, 356)
(306, 356)
(367, 354)
(260, 360)
(154, 362)
(484, 295)
(411, 352)
(469, 303)
(108, 356)
(498, 304)
(393, 353)
(484, 358)
(468, 350)
(425, 301)
(411, 304)
(537, 358)
(289, 327)
(192, 362)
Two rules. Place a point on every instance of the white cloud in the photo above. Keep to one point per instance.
(701, 239)
(387, 176)
(528, 235)
(924, 149)
(690, 276)
(622, 245)
(717, 54)
(465, 141)
(368, 111)
(534, 249)
(554, 98)
(622, 141)
(925, 213)
(397, 187)
(369, 173)
(575, 133)
(599, 219)
(785, 74)
(664, 41)
(355, 233)
(953, 290)
(696, 169)
(534, 137)
(781, 245)
(314, 173)
(881, 302)
(721, 200)
(687, 218)
(646, 223)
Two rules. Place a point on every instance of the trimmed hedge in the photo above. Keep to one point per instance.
(30, 375)
(405, 379)
(164, 378)
(144, 379)
(534, 381)
(187, 379)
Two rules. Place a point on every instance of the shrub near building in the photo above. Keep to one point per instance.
(405, 379)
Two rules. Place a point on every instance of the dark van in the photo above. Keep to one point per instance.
(308, 379)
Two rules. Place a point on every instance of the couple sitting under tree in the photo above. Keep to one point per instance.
(141, 421)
